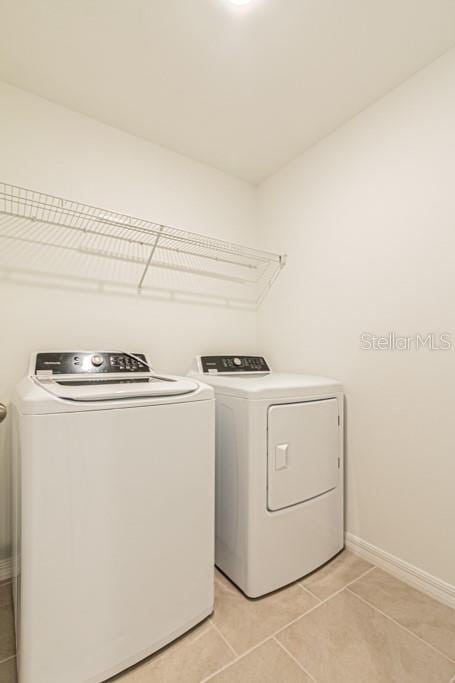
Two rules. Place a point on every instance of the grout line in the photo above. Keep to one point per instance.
(307, 590)
(349, 583)
(196, 637)
(239, 657)
(7, 659)
(236, 654)
(282, 628)
(322, 602)
(295, 660)
(404, 628)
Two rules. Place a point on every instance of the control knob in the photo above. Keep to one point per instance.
(97, 361)
(237, 362)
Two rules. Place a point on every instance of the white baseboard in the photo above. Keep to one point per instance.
(6, 569)
(417, 578)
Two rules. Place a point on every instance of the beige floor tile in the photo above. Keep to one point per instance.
(269, 663)
(422, 615)
(347, 640)
(8, 671)
(190, 659)
(334, 575)
(7, 641)
(244, 622)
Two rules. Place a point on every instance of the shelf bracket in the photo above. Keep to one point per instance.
(149, 260)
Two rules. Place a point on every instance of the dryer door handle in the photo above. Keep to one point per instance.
(281, 456)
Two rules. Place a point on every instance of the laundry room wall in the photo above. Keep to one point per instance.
(367, 217)
(48, 148)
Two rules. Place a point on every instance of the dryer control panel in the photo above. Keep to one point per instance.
(99, 362)
(233, 364)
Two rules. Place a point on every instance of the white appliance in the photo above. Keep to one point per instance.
(279, 471)
(114, 475)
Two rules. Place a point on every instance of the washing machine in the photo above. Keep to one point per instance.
(114, 513)
(279, 471)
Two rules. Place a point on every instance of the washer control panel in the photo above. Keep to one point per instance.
(77, 362)
(233, 364)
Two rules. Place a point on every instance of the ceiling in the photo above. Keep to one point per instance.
(244, 89)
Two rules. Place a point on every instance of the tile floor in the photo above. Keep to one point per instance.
(348, 622)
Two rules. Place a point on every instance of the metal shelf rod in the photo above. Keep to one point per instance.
(71, 227)
(130, 240)
(135, 261)
(197, 240)
(149, 260)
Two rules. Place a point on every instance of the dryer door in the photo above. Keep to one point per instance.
(302, 452)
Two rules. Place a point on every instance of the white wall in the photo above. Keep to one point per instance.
(367, 217)
(48, 148)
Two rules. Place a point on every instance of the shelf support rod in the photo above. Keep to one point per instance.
(149, 260)
(268, 286)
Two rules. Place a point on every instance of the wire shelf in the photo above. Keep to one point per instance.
(64, 238)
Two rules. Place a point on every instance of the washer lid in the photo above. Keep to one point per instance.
(115, 387)
(102, 376)
(273, 385)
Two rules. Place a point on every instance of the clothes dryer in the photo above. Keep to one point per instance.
(279, 471)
